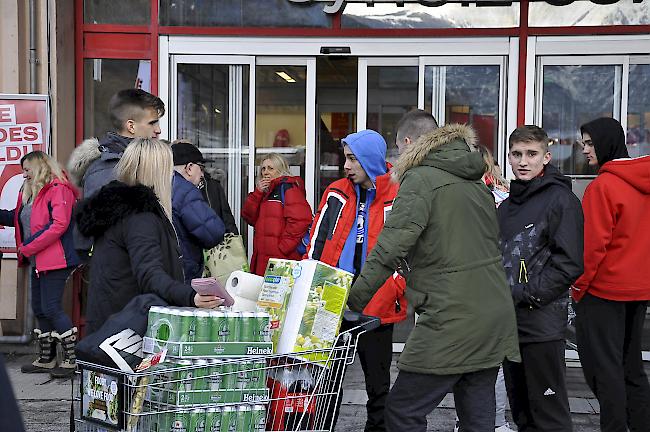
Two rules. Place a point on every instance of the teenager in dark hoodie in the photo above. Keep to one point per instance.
(613, 292)
(541, 227)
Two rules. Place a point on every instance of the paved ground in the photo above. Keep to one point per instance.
(45, 403)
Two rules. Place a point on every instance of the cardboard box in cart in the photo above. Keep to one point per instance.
(305, 301)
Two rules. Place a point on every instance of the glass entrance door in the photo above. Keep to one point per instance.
(211, 107)
(468, 90)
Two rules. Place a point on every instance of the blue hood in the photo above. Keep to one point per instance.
(370, 150)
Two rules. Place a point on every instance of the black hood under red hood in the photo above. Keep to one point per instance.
(608, 138)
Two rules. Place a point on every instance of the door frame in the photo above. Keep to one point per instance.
(234, 135)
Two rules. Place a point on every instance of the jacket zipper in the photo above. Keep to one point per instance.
(523, 272)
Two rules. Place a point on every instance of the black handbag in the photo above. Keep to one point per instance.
(118, 343)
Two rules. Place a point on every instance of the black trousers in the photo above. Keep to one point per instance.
(375, 351)
(537, 388)
(609, 343)
(415, 395)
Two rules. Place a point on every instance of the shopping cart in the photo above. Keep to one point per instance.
(288, 392)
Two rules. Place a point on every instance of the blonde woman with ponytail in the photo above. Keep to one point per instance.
(43, 229)
(135, 249)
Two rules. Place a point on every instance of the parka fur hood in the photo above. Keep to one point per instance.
(418, 151)
(81, 158)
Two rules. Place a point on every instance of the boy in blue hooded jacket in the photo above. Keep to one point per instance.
(349, 219)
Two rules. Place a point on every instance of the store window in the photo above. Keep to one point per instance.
(588, 13)
(242, 13)
(466, 94)
(572, 96)
(132, 12)
(280, 110)
(449, 15)
(392, 92)
(102, 79)
(638, 110)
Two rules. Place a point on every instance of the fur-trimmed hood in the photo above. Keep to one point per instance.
(111, 204)
(428, 144)
(109, 148)
(81, 158)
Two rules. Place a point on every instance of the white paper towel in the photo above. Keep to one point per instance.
(244, 288)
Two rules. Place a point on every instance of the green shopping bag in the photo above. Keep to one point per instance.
(225, 258)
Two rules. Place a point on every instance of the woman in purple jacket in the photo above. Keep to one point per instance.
(42, 222)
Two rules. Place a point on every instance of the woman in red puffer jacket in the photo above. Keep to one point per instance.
(279, 212)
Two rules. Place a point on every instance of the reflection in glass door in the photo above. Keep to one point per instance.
(212, 110)
(391, 91)
(574, 93)
(470, 91)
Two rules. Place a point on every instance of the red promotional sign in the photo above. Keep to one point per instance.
(24, 127)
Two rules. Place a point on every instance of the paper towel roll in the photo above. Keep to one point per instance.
(244, 305)
(245, 285)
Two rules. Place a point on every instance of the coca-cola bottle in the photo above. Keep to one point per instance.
(300, 406)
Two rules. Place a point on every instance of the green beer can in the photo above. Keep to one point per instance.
(197, 420)
(181, 383)
(201, 371)
(219, 329)
(152, 318)
(263, 327)
(187, 326)
(248, 327)
(213, 419)
(230, 370)
(244, 418)
(229, 419)
(244, 375)
(258, 418)
(202, 325)
(258, 374)
(234, 325)
(174, 422)
(215, 374)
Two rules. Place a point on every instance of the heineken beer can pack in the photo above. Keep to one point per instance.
(242, 418)
(173, 324)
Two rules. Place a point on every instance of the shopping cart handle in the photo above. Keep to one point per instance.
(363, 322)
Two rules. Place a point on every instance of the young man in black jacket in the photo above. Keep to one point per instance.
(541, 227)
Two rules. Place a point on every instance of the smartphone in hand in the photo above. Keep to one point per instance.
(211, 286)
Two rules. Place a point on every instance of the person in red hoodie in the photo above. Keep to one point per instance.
(279, 212)
(613, 293)
(349, 219)
(44, 239)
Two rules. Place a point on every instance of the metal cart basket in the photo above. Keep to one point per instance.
(287, 392)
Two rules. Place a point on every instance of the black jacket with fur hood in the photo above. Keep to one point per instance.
(135, 251)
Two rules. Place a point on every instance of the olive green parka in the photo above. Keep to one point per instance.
(443, 233)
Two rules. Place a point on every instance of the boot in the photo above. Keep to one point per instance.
(68, 342)
(46, 360)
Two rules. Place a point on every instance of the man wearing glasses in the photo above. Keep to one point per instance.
(198, 227)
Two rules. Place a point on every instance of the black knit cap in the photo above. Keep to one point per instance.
(608, 138)
(185, 153)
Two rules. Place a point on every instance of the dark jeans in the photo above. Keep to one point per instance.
(609, 343)
(375, 350)
(47, 291)
(415, 395)
(537, 388)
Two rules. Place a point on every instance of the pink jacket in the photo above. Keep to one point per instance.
(50, 226)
